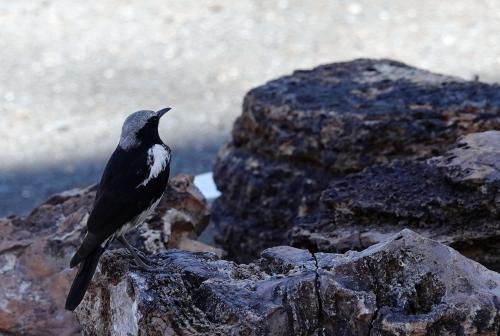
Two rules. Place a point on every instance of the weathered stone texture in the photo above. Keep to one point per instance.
(300, 132)
(453, 198)
(35, 253)
(407, 285)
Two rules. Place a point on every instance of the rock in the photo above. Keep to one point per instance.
(407, 285)
(179, 219)
(299, 132)
(453, 199)
(35, 253)
(475, 161)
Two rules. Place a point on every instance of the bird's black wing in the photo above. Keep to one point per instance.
(121, 197)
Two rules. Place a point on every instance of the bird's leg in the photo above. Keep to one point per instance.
(141, 261)
(137, 251)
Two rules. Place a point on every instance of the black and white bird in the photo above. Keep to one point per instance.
(131, 186)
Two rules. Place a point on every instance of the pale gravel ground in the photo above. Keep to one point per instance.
(72, 70)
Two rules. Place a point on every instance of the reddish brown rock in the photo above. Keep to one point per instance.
(35, 253)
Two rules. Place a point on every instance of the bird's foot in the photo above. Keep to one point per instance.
(143, 257)
(141, 260)
(143, 263)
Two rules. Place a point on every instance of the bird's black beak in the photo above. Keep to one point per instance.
(161, 112)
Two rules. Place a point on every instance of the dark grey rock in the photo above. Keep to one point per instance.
(197, 294)
(300, 132)
(452, 198)
(283, 259)
(407, 285)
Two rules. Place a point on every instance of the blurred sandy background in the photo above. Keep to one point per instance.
(70, 70)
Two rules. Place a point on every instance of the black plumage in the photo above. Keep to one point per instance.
(133, 182)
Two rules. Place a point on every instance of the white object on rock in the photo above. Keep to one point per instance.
(205, 182)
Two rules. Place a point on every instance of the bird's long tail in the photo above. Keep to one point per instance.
(83, 278)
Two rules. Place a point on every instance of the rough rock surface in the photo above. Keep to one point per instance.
(453, 198)
(35, 253)
(299, 132)
(408, 285)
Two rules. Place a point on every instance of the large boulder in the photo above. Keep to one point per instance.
(35, 253)
(300, 132)
(408, 285)
(452, 198)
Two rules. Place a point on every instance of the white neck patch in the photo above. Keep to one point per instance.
(158, 158)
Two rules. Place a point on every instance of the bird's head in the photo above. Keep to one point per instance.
(140, 127)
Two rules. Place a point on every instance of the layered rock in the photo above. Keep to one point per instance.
(300, 132)
(35, 253)
(452, 198)
(407, 285)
